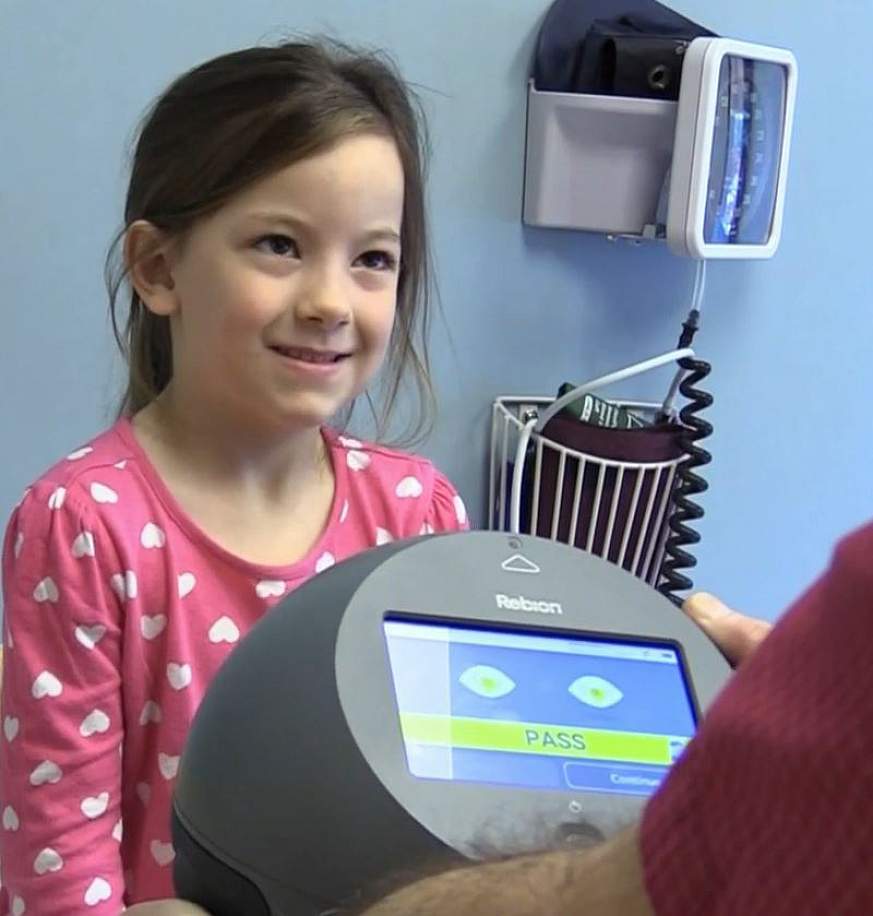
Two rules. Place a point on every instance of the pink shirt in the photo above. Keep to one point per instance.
(118, 612)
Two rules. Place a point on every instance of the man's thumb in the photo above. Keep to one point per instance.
(735, 634)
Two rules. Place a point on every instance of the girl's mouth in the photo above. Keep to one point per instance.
(306, 355)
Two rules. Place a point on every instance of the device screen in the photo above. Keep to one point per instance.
(538, 710)
(746, 152)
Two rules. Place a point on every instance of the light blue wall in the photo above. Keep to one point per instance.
(790, 339)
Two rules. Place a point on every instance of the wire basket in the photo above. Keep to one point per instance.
(615, 509)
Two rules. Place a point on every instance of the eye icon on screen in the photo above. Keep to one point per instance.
(595, 691)
(487, 682)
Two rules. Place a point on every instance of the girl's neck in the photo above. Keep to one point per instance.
(238, 459)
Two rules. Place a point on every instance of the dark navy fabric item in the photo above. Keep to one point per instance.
(612, 47)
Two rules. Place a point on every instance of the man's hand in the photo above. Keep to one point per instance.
(735, 634)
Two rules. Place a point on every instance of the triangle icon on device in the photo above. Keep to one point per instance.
(518, 563)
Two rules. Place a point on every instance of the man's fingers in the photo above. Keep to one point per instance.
(735, 634)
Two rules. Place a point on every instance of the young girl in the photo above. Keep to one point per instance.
(276, 253)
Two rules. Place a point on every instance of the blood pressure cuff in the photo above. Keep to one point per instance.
(613, 47)
(620, 499)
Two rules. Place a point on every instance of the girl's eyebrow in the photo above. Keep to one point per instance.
(278, 217)
(380, 234)
(295, 223)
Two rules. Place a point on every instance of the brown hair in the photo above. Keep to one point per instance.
(236, 119)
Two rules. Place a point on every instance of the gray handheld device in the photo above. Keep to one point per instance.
(432, 701)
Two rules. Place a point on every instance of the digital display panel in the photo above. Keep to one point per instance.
(537, 709)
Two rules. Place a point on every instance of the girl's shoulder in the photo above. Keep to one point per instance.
(401, 487)
(362, 454)
(98, 475)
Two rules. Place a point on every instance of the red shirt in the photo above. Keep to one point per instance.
(770, 810)
(118, 612)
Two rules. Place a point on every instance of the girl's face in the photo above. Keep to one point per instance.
(282, 302)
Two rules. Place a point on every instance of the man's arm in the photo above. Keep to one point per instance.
(606, 880)
(165, 908)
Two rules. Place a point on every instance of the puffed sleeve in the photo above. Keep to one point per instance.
(447, 511)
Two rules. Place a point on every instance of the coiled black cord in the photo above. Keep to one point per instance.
(688, 483)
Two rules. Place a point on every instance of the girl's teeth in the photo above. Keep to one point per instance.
(309, 357)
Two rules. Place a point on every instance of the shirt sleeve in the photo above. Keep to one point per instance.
(770, 810)
(60, 764)
(447, 511)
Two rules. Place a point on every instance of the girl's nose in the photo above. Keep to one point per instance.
(324, 299)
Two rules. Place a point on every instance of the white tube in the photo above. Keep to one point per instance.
(517, 474)
(611, 379)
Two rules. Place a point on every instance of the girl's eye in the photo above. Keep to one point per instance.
(378, 260)
(281, 245)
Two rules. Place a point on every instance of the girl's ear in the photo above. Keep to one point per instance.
(147, 252)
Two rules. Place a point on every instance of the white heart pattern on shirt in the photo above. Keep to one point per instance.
(124, 584)
(46, 685)
(80, 453)
(46, 590)
(10, 728)
(350, 443)
(121, 465)
(143, 792)
(151, 712)
(152, 537)
(460, 510)
(152, 627)
(345, 511)
(95, 723)
(10, 818)
(223, 630)
(48, 860)
(56, 500)
(325, 561)
(426, 528)
(357, 461)
(19, 543)
(46, 772)
(90, 636)
(383, 536)
(187, 581)
(93, 806)
(162, 853)
(83, 546)
(179, 676)
(118, 831)
(409, 488)
(270, 588)
(169, 766)
(18, 907)
(102, 494)
(98, 891)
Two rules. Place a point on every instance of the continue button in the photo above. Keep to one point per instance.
(620, 779)
(600, 778)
